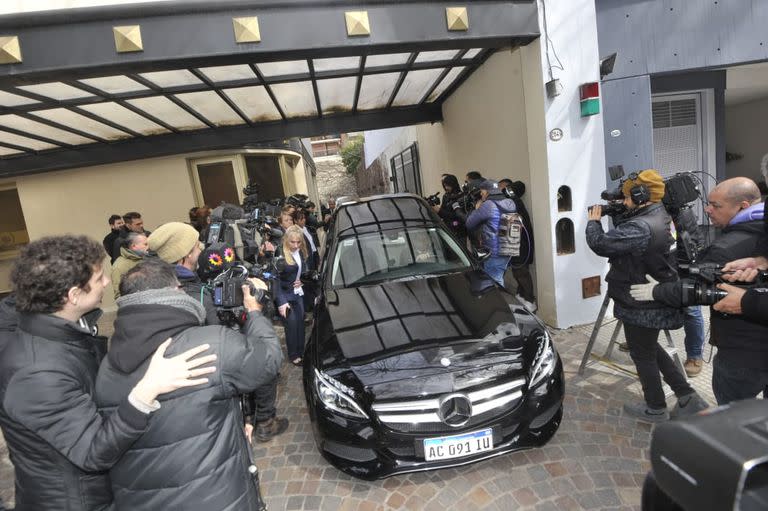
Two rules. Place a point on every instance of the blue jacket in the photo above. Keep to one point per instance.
(487, 217)
(284, 284)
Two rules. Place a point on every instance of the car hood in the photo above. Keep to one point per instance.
(426, 335)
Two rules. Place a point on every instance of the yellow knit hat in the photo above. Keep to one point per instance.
(173, 241)
(651, 179)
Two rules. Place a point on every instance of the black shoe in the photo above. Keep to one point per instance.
(270, 428)
(688, 405)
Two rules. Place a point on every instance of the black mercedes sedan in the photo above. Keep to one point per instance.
(417, 360)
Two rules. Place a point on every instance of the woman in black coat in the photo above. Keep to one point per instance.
(289, 293)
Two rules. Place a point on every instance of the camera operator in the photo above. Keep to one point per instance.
(451, 196)
(485, 220)
(176, 243)
(742, 353)
(520, 264)
(58, 441)
(639, 244)
(193, 455)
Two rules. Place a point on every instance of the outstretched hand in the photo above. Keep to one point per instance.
(643, 292)
(168, 374)
(731, 303)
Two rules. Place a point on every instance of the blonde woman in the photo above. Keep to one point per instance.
(289, 294)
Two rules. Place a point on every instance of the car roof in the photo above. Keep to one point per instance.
(381, 212)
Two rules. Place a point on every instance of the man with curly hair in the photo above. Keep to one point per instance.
(59, 443)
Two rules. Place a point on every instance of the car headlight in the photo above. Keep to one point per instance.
(544, 362)
(333, 397)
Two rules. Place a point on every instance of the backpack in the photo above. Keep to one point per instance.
(510, 234)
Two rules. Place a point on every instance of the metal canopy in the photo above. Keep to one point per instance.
(74, 100)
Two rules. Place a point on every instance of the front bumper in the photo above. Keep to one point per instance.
(371, 450)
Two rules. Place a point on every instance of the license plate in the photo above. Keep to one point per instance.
(457, 446)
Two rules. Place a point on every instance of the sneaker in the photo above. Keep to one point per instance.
(267, 429)
(644, 413)
(531, 306)
(688, 405)
(693, 366)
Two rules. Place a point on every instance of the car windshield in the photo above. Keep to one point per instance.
(396, 254)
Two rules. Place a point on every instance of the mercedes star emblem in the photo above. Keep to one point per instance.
(455, 410)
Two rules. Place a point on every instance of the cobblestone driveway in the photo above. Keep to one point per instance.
(597, 460)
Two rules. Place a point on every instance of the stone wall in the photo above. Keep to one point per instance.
(332, 178)
(373, 180)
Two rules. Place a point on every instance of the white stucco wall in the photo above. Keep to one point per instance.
(745, 128)
(17, 6)
(498, 122)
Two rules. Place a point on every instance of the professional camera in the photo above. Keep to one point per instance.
(700, 286)
(434, 199)
(299, 201)
(228, 292)
(714, 460)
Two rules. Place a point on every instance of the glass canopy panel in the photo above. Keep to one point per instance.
(5, 151)
(472, 53)
(70, 118)
(125, 117)
(375, 90)
(389, 59)
(447, 82)
(297, 99)
(8, 99)
(38, 128)
(168, 112)
(114, 84)
(337, 94)
(336, 64)
(173, 78)
(291, 67)
(415, 85)
(56, 90)
(254, 102)
(24, 141)
(212, 107)
(434, 56)
(229, 73)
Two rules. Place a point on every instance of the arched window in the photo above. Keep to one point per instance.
(564, 237)
(564, 202)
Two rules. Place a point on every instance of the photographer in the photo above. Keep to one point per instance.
(193, 455)
(520, 264)
(59, 442)
(447, 208)
(639, 245)
(176, 243)
(485, 220)
(742, 353)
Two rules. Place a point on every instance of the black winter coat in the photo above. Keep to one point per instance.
(194, 456)
(59, 443)
(741, 342)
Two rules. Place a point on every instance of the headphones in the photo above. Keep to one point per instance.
(638, 194)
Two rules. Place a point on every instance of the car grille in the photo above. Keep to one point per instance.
(421, 416)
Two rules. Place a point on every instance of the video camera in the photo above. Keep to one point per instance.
(228, 291)
(679, 190)
(700, 286)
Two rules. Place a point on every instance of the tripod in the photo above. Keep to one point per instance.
(616, 329)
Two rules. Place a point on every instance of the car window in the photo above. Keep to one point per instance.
(395, 254)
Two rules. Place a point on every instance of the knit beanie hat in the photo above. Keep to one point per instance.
(651, 179)
(172, 241)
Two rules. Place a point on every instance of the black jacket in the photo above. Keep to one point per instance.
(194, 456)
(59, 443)
(741, 342)
(754, 304)
(452, 220)
(284, 285)
(120, 240)
(640, 244)
(109, 244)
(196, 288)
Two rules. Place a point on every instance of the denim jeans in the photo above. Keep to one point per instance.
(694, 332)
(735, 383)
(495, 266)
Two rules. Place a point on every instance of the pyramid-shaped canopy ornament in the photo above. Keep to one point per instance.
(357, 23)
(457, 18)
(128, 38)
(10, 49)
(247, 29)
